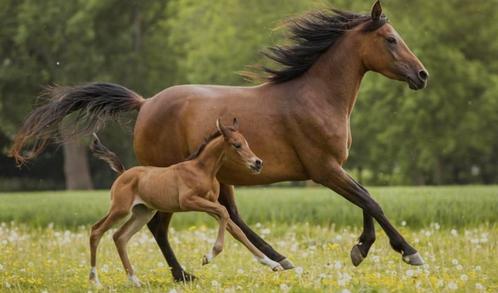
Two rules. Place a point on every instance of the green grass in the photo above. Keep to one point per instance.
(417, 206)
(44, 243)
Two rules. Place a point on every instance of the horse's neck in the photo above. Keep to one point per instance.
(336, 77)
(211, 158)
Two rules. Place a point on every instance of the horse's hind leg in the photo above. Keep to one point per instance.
(96, 234)
(262, 258)
(140, 216)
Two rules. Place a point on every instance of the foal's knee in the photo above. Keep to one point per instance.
(217, 248)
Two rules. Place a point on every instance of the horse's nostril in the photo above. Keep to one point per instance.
(423, 75)
(258, 163)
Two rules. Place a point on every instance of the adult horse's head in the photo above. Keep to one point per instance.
(384, 51)
(369, 39)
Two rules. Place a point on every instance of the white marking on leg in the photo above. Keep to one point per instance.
(136, 282)
(271, 263)
(93, 276)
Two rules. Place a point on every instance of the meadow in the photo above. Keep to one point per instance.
(44, 243)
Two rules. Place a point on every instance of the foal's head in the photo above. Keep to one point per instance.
(383, 50)
(237, 144)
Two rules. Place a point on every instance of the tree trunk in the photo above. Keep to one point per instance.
(76, 168)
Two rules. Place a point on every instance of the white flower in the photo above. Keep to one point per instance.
(454, 232)
(284, 288)
(477, 268)
(160, 264)
(172, 291)
(1, 267)
(337, 265)
(479, 286)
(215, 283)
(454, 261)
(464, 277)
(240, 271)
(44, 291)
(299, 271)
(403, 223)
(459, 267)
(452, 285)
(375, 258)
(345, 291)
(410, 273)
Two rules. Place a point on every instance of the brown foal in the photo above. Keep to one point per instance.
(187, 186)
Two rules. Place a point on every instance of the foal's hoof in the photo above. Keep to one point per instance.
(135, 281)
(356, 256)
(96, 283)
(277, 268)
(205, 260)
(286, 264)
(414, 259)
(184, 277)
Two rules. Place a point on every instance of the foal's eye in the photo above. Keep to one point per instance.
(391, 40)
(237, 145)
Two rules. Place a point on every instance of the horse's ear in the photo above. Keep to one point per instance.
(221, 128)
(236, 124)
(376, 11)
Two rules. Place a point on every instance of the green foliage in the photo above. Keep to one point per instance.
(419, 207)
(445, 134)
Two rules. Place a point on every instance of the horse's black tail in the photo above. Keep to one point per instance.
(91, 105)
(102, 152)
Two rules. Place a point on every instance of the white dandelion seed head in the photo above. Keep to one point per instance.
(479, 286)
(452, 285)
(299, 271)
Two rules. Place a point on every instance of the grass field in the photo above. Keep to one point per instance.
(44, 239)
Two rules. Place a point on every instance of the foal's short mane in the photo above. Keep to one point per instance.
(203, 145)
(312, 34)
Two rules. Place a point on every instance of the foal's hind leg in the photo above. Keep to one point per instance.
(260, 256)
(140, 216)
(96, 234)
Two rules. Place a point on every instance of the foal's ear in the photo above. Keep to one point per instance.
(236, 124)
(376, 11)
(221, 128)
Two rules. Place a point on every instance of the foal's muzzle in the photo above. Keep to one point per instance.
(256, 166)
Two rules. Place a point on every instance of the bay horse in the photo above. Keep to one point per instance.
(298, 121)
(187, 186)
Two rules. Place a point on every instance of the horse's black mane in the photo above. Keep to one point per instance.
(312, 34)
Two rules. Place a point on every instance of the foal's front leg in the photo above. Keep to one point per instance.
(197, 203)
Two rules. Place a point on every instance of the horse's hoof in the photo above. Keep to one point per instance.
(286, 264)
(277, 268)
(205, 260)
(356, 256)
(184, 277)
(414, 259)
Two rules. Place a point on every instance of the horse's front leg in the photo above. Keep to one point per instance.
(338, 180)
(227, 199)
(367, 237)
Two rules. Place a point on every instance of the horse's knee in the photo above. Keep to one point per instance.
(374, 209)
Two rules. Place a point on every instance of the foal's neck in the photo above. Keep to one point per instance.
(211, 158)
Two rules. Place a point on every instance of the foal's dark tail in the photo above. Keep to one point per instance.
(91, 104)
(102, 152)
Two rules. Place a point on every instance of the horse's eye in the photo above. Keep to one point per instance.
(391, 40)
(237, 145)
